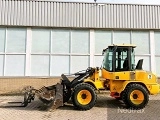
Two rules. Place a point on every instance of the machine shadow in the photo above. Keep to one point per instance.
(109, 103)
(103, 101)
(33, 106)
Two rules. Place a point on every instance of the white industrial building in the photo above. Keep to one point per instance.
(47, 38)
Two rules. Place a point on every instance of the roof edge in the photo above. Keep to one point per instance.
(98, 3)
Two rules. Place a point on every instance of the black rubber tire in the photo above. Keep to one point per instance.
(77, 89)
(127, 92)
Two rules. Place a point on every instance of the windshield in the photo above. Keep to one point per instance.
(107, 60)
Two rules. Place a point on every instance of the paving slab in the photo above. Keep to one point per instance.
(106, 108)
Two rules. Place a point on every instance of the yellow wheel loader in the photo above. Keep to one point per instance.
(118, 74)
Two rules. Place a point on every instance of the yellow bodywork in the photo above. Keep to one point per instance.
(116, 82)
(96, 81)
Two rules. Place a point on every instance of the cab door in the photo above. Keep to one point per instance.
(122, 67)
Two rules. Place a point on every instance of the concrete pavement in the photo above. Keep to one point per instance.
(106, 108)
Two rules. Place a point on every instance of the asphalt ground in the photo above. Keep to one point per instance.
(106, 108)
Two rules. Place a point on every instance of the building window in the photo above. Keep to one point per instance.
(79, 50)
(141, 40)
(98, 61)
(121, 37)
(12, 51)
(15, 65)
(41, 40)
(51, 51)
(142, 51)
(157, 51)
(105, 38)
(2, 39)
(57, 51)
(80, 41)
(102, 40)
(60, 41)
(146, 62)
(59, 65)
(1, 64)
(16, 40)
(79, 63)
(60, 52)
(40, 65)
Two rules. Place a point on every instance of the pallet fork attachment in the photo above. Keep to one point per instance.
(51, 96)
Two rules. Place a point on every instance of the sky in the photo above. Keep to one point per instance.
(150, 2)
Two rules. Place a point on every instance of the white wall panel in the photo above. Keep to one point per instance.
(74, 14)
(2, 39)
(40, 65)
(15, 65)
(1, 64)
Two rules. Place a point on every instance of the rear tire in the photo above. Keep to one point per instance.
(84, 96)
(135, 96)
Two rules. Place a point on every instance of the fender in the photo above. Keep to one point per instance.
(96, 84)
(151, 88)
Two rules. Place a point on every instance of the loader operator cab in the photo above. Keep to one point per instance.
(119, 58)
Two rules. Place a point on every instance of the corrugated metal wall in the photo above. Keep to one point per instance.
(85, 15)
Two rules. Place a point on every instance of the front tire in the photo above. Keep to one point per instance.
(135, 96)
(84, 96)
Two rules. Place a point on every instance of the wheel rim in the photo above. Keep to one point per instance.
(137, 97)
(84, 97)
